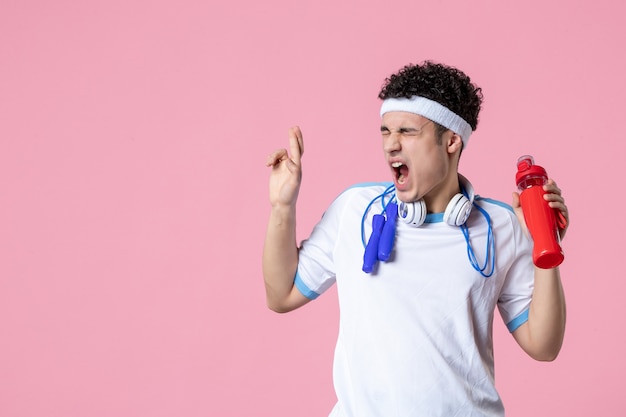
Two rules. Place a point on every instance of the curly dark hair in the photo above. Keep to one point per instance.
(444, 84)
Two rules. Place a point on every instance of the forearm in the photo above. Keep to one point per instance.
(542, 336)
(280, 257)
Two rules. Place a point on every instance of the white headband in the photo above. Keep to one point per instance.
(431, 110)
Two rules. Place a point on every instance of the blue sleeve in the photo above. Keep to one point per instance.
(518, 321)
(302, 287)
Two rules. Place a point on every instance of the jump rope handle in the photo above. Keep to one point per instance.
(388, 234)
(370, 258)
(381, 240)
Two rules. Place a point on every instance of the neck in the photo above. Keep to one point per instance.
(437, 201)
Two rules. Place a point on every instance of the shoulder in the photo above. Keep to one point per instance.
(495, 207)
(369, 187)
(365, 192)
(503, 220)
(357, 199)
(499, 215)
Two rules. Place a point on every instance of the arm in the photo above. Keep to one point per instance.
(280, 252)
(542, 335)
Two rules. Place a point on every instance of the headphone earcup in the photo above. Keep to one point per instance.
(458, 210)
(412, 213)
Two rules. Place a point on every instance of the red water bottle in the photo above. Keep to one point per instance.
(540, 218)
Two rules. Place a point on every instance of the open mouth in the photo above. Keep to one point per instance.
(401, 171)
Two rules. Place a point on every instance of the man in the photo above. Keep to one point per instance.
(420, 263)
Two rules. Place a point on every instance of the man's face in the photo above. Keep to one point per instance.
(418, 160)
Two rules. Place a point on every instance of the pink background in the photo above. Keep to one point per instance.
(133, 192)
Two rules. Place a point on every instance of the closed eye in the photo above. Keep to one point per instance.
(409, 131)
(404, 131)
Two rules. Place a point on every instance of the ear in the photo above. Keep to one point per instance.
(455, 143)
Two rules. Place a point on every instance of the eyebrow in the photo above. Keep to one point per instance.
(384, 128)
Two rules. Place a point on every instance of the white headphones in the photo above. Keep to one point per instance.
(456, 214)
(380, 244)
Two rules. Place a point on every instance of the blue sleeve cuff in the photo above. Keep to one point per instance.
(306, 291)
(517, 321)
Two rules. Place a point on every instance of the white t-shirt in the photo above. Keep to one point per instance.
(415, 335)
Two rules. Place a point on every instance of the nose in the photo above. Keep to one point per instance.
(391, 142)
